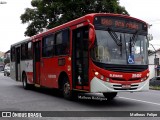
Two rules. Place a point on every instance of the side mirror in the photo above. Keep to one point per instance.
(149, 37)
(147, 40)
(91, 35)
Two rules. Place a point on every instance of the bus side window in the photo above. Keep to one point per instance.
(62, 42)
(24, 51)
(13, 54)
(85, 39)
(30, 50)
(48, 46)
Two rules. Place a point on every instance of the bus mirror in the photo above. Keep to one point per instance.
(149, 37)
(147, 43)
(91, 36)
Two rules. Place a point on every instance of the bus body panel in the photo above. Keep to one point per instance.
(49, 72)
(51, 68)
(27, 68)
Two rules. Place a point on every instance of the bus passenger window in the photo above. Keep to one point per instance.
(62, 42)
(48, 46)
(24, 51)
(30, 50)
(13, 54)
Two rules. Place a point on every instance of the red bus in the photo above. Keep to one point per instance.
(98, 53)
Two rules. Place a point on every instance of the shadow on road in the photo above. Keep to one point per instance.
(87, 99)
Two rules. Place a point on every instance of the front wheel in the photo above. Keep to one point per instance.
(67, 93)
(110, 95)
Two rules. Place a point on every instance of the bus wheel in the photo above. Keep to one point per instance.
(110, 95)
(67, 93)
(24, 82)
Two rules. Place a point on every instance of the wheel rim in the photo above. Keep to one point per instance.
(67, 89)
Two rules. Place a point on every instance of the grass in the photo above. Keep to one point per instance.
(154, 87)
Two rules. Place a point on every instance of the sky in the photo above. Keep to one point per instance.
(148, 11)
(12, 30)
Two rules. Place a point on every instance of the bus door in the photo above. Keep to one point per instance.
(17, 64)
(80, 64)
(36, 61)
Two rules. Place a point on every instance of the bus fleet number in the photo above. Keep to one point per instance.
(136, 75)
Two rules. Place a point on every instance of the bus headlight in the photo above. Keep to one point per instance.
(96, 73)
(143, 79)
(107, 79)
(102, 77)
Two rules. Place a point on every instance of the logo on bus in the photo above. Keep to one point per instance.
(116, 75)
(51, 76)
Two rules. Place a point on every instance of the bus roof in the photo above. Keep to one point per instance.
(86, 18)
(23, 41)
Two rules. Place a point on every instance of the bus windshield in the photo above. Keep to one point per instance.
(119, 48)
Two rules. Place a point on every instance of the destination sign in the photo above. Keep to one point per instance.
(119, 22)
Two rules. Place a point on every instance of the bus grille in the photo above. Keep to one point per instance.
(122, 79)
(119, 87)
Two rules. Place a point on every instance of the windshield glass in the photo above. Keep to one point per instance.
(119, 48)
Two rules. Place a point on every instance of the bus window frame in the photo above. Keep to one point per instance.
(26, 51)
(44, 47)
(68, 42)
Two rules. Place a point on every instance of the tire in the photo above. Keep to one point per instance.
(110, 95)
(24, 82)
(67, 92)
(7, 74)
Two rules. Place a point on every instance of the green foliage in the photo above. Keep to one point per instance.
(1, 60)
(50, 13)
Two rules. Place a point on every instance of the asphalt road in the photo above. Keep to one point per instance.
(14, 98)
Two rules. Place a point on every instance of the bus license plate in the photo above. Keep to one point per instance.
(126, 86)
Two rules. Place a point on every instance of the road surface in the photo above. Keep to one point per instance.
(14, 98)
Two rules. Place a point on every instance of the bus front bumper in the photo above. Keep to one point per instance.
(99, 86)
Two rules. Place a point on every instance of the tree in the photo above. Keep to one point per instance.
(47, 14)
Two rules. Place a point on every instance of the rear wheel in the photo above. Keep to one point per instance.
(24, 82)
(110, 95)
(8, 74)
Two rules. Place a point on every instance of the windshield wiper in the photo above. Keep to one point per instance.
(115, 37)
(117, 40)
(133, 39)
